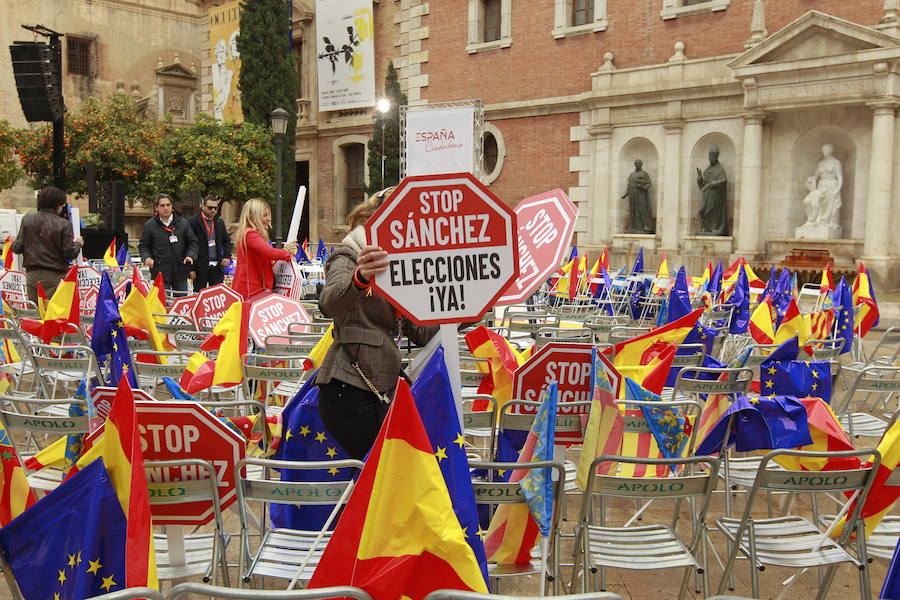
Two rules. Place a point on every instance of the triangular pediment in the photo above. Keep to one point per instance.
(176, 70)
(815, 35)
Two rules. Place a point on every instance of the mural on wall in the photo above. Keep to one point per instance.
(224, 28)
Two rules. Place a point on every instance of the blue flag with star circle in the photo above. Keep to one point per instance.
(763, 423)
(71, 544)
(108, 339)
(433, 394)
(781, 375)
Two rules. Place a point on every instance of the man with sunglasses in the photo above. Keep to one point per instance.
(214, 244)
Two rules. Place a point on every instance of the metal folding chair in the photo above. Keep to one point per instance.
(270, 375)
(481, 424)
(600, 546)
(461, 595)
(179, 555)
(569, 335)
(134, 593)
(188, 590)
(623, 334)
(793, 541)
(879, 384)
(63, 366)
(826, 349)
(186, 340)
(151, 366)
(285, 553)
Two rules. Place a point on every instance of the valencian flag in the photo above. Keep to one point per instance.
(108, 339)
(844, 315)
(605, 426)
(398, 536)
(669, 426)
(229, 337)
(63, 309)
(781, 374)
(864, 301)
(306, 439)
(758, 423)
(514, 528)
(433, 394)
(504, 360)
(120, 448)
(109, 257)
(15, 494)
(72, 544)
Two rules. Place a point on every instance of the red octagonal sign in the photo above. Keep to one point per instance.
(451, 244)
(271, 314)
(213, 301)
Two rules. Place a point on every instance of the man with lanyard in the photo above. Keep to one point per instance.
(214, 244)
(168, 245)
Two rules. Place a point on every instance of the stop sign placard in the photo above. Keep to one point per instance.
(545, 226)
(567, 364)
(13, 287)
(213, 301)
(271, 314)
(89, 299)
(100, 402)
(183, 305)
(451, 244)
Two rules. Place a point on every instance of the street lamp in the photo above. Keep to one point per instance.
(383, 106)
(279, 118)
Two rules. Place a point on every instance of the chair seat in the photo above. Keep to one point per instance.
(514, 570)
(787, 542)
(742, 471)
(47, 479)
(198, 550)
(282, 551)
(864, 425)
(882, 541)
(646, 547)
(17, 368)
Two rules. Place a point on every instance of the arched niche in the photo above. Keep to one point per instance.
(805, 156)
(700, 160)
(643, 149)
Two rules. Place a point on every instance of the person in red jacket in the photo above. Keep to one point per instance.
(253, 274)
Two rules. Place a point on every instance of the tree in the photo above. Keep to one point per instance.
(108, 132)
(269, 77)
(9, 165)
(233, 161)
(387, 136)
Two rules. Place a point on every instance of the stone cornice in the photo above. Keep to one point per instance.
(143, 8)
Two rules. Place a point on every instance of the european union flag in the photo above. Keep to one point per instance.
(433, 394)
(715, 281)
(306, 439)
(122, 255)
(890, 590)
(321, 252)
(668, 425)
(638, 267)
(679, 297)
(796, 378)
(301, 256)
(783, 293)
(108, 339)
(740, 299)
(71, 544)
(604, 292)
(763, 423)
(844, 315)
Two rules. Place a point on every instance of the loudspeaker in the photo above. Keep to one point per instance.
(96, 241)
(35, 70)
(111, 204)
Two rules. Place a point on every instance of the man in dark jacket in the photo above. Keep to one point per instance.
(168, 245)
(46, 240)
(213, 244)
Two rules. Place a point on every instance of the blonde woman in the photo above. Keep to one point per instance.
(253, 274)
(357, 377)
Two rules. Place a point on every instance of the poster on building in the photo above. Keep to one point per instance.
(224, 27)
(345, 51)
(440, 140)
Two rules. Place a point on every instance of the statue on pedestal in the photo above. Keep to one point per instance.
(637, 192)
(823, 202)
(713, 184)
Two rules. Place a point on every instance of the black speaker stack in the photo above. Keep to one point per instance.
(37, 81)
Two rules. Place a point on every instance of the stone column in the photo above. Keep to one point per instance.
(603, 218)
(669, 212)
(881, 168)
(751, 187)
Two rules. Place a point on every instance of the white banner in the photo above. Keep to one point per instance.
(440, 140)
(346, 54)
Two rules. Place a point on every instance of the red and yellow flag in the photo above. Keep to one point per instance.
(631, 352)
(229, 337)
(16, 493)
(398, 536)
(827, 436)
(7, 253)
(136, 312)
(504, 360)
(794, 324)
(120, 448)
(63, 308)
(762, 327)
(827, 283)
(864, 301)
(109, 257)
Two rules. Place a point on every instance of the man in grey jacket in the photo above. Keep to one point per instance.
(168, 245)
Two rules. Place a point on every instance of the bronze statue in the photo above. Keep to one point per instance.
(713, 185)
(638, 186)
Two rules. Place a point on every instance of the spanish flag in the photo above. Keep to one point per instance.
(109, 257)
(135, 312)
(16, 494)
(793, 325)
(120, 448)
(398, 536)
(229, 337)
(504, 360)
(41, 300)
(633, 351)
(827, 283)
(7, 254)
(604, 259)
(762, 328)
(63, 308)
(864, 301)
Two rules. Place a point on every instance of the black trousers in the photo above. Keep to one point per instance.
(352, 416)
(212, 276)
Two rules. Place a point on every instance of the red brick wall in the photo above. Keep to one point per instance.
(538, 66)
(537, 156)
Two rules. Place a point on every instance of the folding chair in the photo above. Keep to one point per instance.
(24, 309)
(300, 344)
(190, 590)
(35, 420)
(63, 365)
(623, 334)
(529, 322)
(569, 335)
(461, 595)
(495, 493)
(826, 349)
(718, 317)
(646, 547)
(879, 384)
(285, 553)
(885, 352)
(151, 366)
(133, 593)
(186, 340)
(794, 541)
(601, 324)
(481, 424)
(19, 370)
(473, 370)
(273, 375)
(198, 553)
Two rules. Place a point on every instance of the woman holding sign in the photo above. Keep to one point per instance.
(357, 378)
(255, 257)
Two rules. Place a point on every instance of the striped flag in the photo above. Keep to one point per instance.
(16, 493)
(604, 430)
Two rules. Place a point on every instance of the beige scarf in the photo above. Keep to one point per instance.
(356, 239)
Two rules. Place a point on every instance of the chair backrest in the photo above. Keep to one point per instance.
(692, 483)
(719, 316)
(50, 358)
(40, 423)
(315, 328)
(473, 370)
(571, 335)
(623, 334)
(873, 379)
(193, 590)
(132, 593)
(479, 419)
(707, 380)
(601, 324)
(290, 345)
(530, 322)
(689, 355)
(518, 415)
(174, 323)
(202, 485)
(635, 422)
(759, 353)
(890, 340)
(826, 349)
(188, 340)
(24, 309)
(158, 364)
(503, 492)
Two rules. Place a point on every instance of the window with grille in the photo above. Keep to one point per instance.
(582, 12)
(692, 2)
(355, 171)
(492, 16)
(80, 55)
